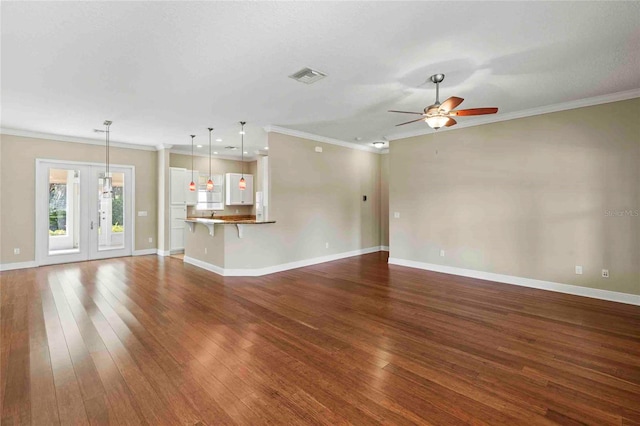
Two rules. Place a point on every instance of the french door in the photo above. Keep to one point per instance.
(76, 219)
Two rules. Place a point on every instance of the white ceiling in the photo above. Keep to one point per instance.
(164, 70)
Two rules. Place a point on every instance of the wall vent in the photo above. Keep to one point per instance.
(231, 148)
(307, 76)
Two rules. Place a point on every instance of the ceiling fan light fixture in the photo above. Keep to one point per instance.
(436, 121)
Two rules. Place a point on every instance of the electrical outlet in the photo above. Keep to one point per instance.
(442, 253)
(150, 239)
(318, 149)
(605, 273)
(326, 245)
(16, 251)
(237, 211)
(396, 215)
(578, 270)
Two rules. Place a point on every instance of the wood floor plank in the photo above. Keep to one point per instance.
(151, 340)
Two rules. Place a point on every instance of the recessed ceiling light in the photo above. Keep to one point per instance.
(218, 140)
(379, 144)
(246, 152)
(215, 152)
(199, 146)
(266, 147)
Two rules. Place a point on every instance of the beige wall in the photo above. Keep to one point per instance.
(384, 200)
(315, 198)
(17, 194)
(218, 166)
(525, 197)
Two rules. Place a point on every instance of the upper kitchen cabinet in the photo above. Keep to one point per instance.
(180, 193)
(236, 196)
(179, 185)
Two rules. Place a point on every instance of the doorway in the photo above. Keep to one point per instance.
(76, 218)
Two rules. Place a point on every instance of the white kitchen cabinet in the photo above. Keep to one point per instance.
(178, 185)
(177, 216)
(191, 196)
(236, 197)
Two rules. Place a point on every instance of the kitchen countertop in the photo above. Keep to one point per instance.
(227, 221)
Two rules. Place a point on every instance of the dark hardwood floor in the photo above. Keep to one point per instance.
(149, 340)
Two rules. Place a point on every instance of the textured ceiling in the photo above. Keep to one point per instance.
(164, 70)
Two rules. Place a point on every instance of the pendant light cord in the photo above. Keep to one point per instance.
(242, 123)
(210, 130)
(107, 125)
(192, 137)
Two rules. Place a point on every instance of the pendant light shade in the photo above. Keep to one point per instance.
(192, 185)
(242, 184)
(107, 187)
(210, 181)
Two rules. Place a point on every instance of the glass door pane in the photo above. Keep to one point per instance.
(111, 212)
(64, 211)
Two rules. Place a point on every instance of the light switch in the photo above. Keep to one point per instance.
(142, 213)
(318, 149)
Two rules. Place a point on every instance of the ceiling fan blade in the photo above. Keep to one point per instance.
(450, 122)
(450, 103)
(473, 111)
(407, 112)
(412, 121)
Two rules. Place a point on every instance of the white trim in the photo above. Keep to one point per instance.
(614, 296)
(257, 272)
(74, 139)
(18, 265)
(204, 265)
(318, 138)
(164, 253)
(384, 248)
(580, 103)
(247, 158)
(144, 252)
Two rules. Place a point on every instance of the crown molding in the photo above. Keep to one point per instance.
(580, 103)
(318, 138)
(73, 139)
(248, 158)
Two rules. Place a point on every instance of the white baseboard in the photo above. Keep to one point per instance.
(145, 252)
(164, 252)
(18, 265)
(257, 272)
(594, 293)
(384, 248)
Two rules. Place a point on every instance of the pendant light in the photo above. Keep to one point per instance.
(242, 185)
(107, 187)
(210, 181)
(192, 185)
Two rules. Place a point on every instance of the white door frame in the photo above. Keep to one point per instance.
(39, 193)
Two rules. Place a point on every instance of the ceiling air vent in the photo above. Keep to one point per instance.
(231, 148)
(308, 76)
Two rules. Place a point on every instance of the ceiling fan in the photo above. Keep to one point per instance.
(440, 114)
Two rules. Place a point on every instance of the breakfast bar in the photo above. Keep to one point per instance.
(228, 245)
